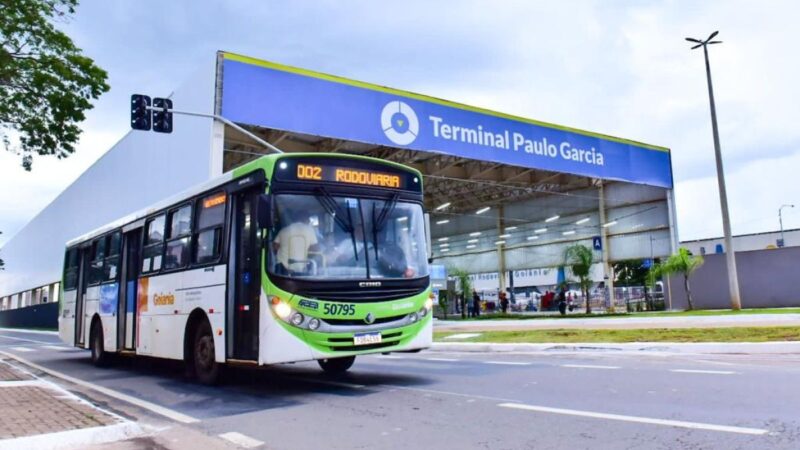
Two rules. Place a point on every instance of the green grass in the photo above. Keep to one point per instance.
(699, 312)
(738, 334)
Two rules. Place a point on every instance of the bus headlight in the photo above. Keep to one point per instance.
(297, 319)
(413, 317)
(282, 309)
(422, 312)
(313, 324)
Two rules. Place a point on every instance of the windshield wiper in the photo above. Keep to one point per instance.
(378, 223)
(342, 218)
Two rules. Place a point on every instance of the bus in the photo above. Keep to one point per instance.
(290, 257)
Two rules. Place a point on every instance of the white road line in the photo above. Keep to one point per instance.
(461, 336)
(152, 407)
(455, 394)
(647, 420)
(240, 439)
(57, 347)
(712, 372)
(442, 359)
(508, 363)
(25, 330)
(21, 349)
(389, 357)
(589, 366)
(24, 340)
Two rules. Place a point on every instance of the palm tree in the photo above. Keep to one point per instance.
(579, 258)
(685, 263)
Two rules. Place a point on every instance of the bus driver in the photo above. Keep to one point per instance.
(293, 243)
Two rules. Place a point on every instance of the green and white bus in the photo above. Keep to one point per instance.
(291, 257)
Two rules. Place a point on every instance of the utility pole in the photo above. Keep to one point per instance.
(730, 256)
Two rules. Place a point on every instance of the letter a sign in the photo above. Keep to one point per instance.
(597, 243)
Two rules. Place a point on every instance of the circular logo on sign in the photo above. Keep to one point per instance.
(399, 122)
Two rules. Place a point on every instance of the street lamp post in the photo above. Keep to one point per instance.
(730, 257)
(780, 219)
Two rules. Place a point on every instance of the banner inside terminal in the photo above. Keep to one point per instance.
(279, 97)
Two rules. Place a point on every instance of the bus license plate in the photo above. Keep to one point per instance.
(367, 338)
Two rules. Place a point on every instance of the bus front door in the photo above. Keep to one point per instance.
(84, 265)
(245, 278)
(126, 313)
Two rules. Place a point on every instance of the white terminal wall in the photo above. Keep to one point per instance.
(141, 169)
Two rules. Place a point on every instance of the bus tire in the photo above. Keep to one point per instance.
(100, 357)
(335, 366)
(206, 368)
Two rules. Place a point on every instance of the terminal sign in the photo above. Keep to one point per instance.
(347, 175)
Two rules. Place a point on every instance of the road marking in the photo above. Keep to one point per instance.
(647, 420)
(240, 439)
(60, 348)
(589, 366)
(389, 357)
(21, 349)
(158, 409)
(442, 359)
(508, 363)
(25, 330)
(713, 372)
(25, 340)
(462, 336)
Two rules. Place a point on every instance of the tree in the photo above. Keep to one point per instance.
(465, 285)
(46, 84)
(684, 263)
(579, 258)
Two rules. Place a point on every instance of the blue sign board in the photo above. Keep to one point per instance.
(597, 243)
(279, 97)
(647, 263)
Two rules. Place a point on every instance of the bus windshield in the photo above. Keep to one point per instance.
(329, 237)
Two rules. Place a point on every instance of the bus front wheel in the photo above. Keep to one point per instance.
(206, 368)
(336, 365)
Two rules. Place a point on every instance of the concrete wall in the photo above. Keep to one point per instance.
(745, 242)
(767, 278)
(37, 316)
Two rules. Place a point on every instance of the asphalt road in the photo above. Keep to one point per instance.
(471, 400)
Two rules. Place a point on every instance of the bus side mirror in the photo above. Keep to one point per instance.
(264, 211)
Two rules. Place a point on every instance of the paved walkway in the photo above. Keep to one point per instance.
(744, 320)
(31, 408)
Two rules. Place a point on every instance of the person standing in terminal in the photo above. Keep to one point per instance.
(476, 304)
(504, 302)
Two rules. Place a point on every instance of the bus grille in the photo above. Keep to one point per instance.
(355, 322)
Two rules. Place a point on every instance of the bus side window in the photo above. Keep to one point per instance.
(71, 269)
(153, 244)
(112, 259)
(208, 235)
(98, 253)
(180, 229)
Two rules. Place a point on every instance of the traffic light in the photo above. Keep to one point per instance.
(141, 117)
(162, 115)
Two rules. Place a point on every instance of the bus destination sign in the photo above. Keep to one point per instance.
(315, 172)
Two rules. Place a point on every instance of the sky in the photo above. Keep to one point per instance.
(613, 67)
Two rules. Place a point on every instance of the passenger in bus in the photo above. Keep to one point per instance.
(293, 243)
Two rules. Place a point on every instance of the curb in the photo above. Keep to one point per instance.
(663, 347)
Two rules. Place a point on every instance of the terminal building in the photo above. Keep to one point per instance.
(506, 194)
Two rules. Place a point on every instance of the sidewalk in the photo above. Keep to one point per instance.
(636, 322)
(784, 348)
(35, 413)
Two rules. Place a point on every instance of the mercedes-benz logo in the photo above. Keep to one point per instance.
(369, 319)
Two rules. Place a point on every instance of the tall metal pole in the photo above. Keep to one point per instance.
(730, 256)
